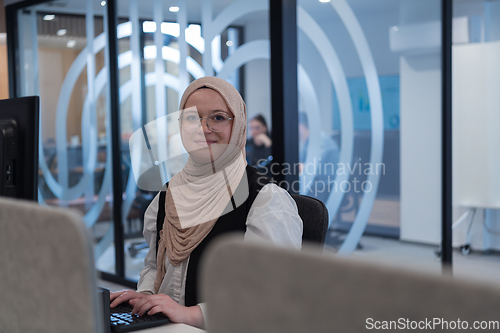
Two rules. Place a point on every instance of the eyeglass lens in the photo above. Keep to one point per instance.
(216, 122)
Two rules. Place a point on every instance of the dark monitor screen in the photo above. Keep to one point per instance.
(19, 147)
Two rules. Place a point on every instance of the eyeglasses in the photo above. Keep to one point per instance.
(216, 122)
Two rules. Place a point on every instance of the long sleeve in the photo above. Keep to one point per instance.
(148, 273)
(274, 218)
(174, 281)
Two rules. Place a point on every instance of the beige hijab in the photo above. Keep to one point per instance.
(197, 196)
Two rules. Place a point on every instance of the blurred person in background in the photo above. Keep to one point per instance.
(258, 147)
(327, 161)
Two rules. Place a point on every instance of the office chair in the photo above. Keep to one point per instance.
(314, 216)
(313, 213)
(138, 209)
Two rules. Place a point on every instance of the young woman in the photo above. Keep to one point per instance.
(216, 192)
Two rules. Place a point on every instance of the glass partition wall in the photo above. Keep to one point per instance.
(371, 128)
(63, 56)
(155, 67)
(62, 59)
(369, 82)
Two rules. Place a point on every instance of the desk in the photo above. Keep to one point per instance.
(173, 328)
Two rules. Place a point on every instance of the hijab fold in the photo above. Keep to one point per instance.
(198, 195)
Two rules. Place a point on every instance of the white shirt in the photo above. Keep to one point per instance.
(273, 218)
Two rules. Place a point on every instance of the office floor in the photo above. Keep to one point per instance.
(392, 252)
(385, 212)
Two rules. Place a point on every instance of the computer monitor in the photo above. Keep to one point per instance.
(19, 119)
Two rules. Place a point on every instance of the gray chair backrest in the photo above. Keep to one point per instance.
(314, 216)
(47, 276)
(259, 288)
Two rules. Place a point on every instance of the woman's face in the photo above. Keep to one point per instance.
(204, 144)
(256, 128)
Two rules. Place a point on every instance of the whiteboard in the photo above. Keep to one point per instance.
(476, 125)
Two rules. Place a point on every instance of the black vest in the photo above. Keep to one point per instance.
(234, 221)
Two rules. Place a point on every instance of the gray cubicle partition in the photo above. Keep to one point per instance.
(260, 288)
(46, 271)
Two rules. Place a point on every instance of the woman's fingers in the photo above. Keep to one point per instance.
(153, 304)
(115, 294)
(119, 299)
(160, 302)
(144, 305)
(154, 310)
(125, 296)
(139, 303)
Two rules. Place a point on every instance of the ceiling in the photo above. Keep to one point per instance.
(146, 8)
(320, 11)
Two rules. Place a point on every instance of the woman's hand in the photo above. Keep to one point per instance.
(122, 296)
(263, 139)
(151, 304)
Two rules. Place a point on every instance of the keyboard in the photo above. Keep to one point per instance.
(120, 318)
